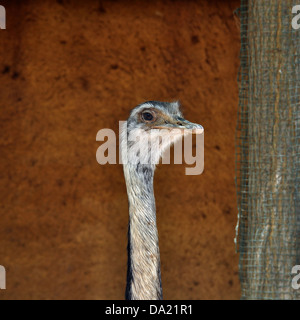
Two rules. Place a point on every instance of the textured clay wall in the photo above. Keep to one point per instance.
(70, 68)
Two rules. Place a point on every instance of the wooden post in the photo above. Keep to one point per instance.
(269, 151)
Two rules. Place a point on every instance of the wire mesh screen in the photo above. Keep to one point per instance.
(268, 150)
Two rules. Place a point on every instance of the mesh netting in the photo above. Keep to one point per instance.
(268, 150)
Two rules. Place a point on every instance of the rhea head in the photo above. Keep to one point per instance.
(151, 127)
(161, 124)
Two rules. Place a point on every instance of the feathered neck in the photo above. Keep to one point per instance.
(143, 275)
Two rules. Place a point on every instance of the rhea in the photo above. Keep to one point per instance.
(147, 122)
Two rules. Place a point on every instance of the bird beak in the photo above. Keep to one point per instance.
(189, 126)
(184, 125)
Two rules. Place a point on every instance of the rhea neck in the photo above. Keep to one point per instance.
(143, 275)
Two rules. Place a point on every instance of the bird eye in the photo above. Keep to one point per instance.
(147, 116)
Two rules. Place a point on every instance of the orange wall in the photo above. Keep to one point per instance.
(71, 68)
